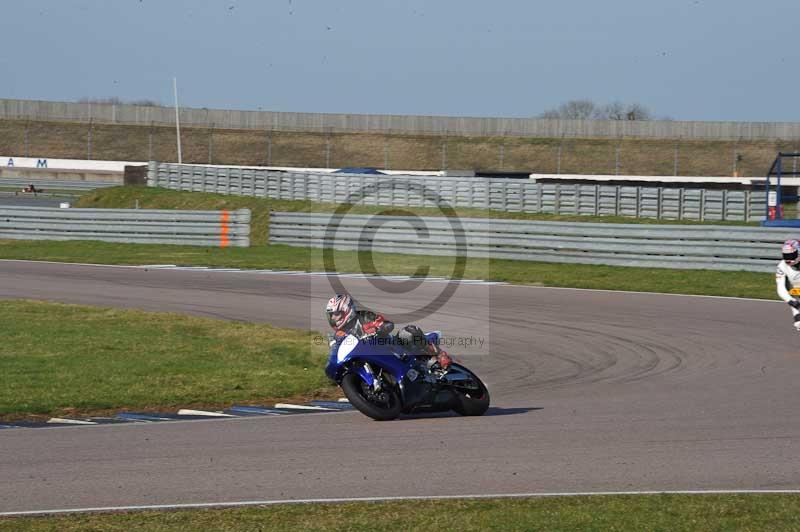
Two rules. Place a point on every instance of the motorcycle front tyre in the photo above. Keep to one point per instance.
(353, 387)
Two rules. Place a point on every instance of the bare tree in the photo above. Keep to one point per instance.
(114, 100)
(637, 111)
(573, 110)
(612, 111)
(118, 101)
(145, 102)
(552, 114)
(588, 110)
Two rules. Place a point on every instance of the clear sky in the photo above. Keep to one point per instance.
(685, 59)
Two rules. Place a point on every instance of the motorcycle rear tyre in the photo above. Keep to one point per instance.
(471, 406)
(351, 386)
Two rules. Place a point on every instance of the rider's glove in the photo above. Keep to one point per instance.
(794, 304)
(373, 326)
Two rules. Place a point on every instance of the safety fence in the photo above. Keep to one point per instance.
(644, 245)
(393, 124)
(142, 226)
(507, 195)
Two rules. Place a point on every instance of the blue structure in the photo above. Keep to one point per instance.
(774, 213)
(358, 170)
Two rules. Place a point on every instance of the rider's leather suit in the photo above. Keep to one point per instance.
(786, 278)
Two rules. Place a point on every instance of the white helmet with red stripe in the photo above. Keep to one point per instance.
(789, 250)
(340, 309)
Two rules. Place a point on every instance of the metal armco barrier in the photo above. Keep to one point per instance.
(653, 246)
(141, 226)
(508, 195)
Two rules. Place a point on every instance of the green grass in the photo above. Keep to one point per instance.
(65, 360)
(667, 513)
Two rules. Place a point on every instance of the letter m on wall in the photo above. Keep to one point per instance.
(41, 163)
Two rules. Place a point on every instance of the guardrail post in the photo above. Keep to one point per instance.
(638, 201)
(577, 205)
(470, 195)
(152, 174)
(724, 208)
(659, 205)
(748, 198)
(557, 199)
(702, 204)
(539, 193)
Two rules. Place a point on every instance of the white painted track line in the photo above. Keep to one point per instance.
(289, 406)
(274, 502)
(190, 412)
(70, 421)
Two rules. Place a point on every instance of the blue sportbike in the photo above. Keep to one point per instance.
(382, 379)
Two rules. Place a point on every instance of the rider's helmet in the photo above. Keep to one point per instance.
(790, 250)
(340, 309)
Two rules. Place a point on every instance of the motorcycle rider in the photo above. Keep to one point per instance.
(787, 277)
(345, 318)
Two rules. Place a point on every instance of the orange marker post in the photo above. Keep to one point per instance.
(224, 229)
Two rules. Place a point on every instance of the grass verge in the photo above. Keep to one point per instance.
(672, 513)
(69, 360)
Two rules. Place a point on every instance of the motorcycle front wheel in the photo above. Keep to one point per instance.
(380, 406)
(472, 397)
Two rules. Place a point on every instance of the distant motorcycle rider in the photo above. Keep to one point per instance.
(345, 318)
(787, 278)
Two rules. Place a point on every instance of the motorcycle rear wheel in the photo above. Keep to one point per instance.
(471, 402)
(358, 393)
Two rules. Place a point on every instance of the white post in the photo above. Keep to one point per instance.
(177, 119)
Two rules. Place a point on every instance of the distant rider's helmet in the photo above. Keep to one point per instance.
(789, 250)
(340, 310)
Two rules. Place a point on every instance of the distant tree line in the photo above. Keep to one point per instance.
(588, 110)
(119, 101)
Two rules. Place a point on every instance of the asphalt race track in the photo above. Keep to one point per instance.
(592, 391)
